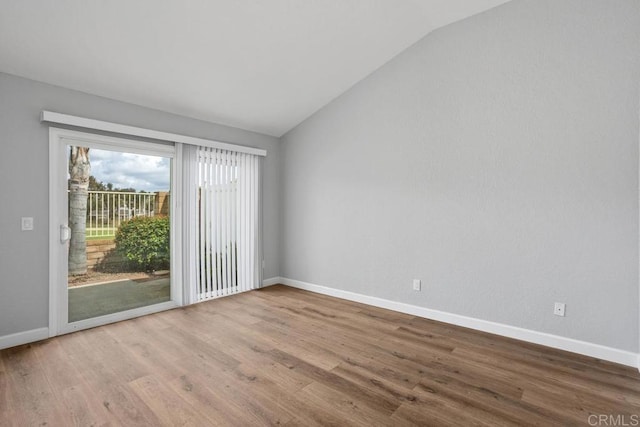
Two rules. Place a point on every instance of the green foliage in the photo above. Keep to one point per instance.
(144, 241)
(95, 185)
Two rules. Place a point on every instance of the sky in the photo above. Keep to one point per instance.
(126, 170)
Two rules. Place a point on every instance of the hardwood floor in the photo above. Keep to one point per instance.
(282, 356)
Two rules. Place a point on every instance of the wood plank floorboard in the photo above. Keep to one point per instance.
(283, 356)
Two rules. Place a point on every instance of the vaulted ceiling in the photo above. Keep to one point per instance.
(261, 65)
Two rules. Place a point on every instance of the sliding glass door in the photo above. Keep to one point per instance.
(139, 227)
(112, 203)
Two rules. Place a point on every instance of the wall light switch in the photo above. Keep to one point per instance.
(27, 223)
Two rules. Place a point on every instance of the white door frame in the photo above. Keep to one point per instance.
(58, 216)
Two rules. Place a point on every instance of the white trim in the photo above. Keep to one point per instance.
(272, 281)
(175, 229)
(549, 340)
(112, 143)
(115, 317)
(189, 226)
(54, 229)
(25, 337)
(66, 119)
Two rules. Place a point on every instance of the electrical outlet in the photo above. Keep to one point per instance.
(558, 309)
(416, 284)
(27, 223)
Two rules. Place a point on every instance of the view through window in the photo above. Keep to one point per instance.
(119, 250)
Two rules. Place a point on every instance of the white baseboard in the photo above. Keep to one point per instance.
(581, 347)
(272, 281)
(25, 337)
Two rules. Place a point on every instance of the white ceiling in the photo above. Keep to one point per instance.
(261, 65)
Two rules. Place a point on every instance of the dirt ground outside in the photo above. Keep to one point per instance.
(93, 277)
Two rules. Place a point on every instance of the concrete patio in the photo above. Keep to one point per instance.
(95, 300)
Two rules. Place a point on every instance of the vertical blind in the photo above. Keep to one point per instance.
(228, 223)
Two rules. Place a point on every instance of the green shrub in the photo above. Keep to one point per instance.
(144, 241)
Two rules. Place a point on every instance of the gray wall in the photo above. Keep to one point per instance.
(24, 187)
(496, 160)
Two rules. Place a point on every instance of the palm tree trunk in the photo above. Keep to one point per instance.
(79, 172)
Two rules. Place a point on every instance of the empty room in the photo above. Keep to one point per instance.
(300, 212)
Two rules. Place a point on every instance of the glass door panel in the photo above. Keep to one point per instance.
(119, 231)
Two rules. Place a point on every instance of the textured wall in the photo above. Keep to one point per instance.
(24, 169)
(496, 160)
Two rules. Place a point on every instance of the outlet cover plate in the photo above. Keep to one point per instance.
(558, 309)
(27, 223)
